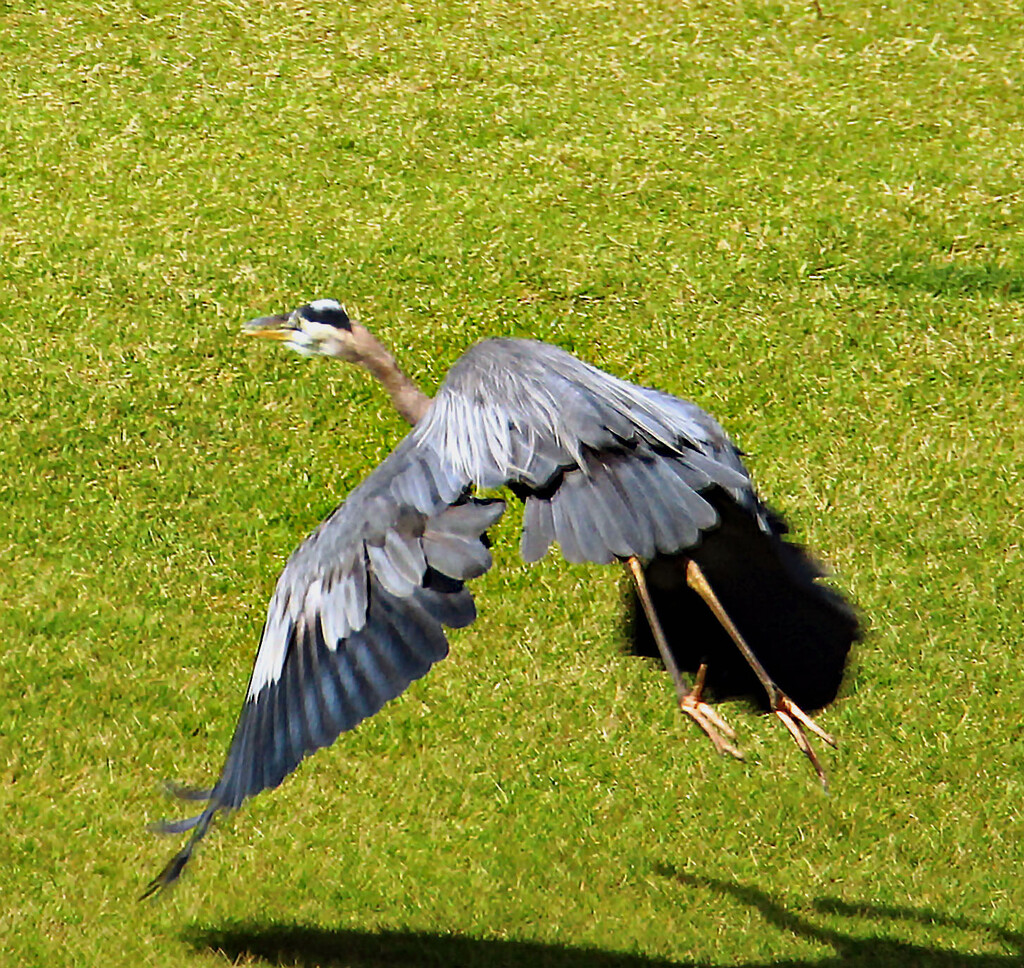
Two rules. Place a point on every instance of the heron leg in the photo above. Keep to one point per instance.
(791, 715)
(691, 700)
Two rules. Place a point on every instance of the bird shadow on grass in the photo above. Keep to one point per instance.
(875, 951)
(306, 946)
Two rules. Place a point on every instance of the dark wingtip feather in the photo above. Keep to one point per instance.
(169, 874)
(174, 826)
(174, 867)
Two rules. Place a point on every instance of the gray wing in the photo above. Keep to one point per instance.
(357, 615)
(637, 491)
(608, 469)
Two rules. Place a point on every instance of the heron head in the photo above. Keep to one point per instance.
(319, 328)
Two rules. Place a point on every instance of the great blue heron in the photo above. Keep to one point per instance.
(609, 470)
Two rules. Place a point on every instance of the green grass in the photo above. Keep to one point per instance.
(814, 228)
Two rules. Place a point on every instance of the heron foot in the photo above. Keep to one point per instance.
(706, 717)
(796, 721)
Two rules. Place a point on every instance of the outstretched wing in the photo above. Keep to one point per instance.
(608, 469)
(357, 615)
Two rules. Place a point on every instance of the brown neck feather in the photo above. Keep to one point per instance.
(409, 400)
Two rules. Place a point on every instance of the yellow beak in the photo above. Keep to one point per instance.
(271, 327)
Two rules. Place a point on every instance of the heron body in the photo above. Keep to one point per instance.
(607, 469)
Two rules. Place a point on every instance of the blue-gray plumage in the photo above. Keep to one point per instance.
(608, 470)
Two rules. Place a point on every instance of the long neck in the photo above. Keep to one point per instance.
(409, 400)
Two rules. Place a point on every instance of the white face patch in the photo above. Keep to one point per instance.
(300, 340)
(318, 332)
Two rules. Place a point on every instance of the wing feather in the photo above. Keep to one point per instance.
(454, 555)
(538, 530)
(387, 569)
(565, 531)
